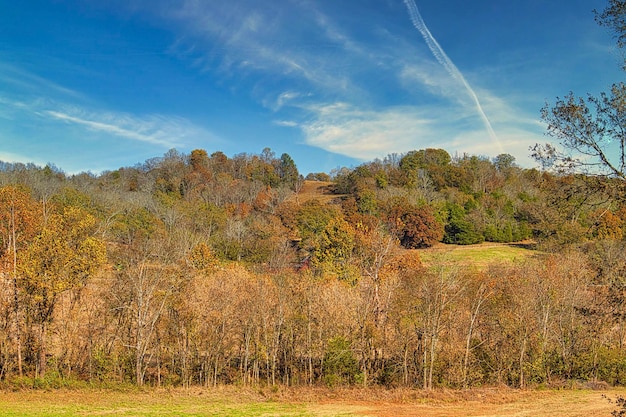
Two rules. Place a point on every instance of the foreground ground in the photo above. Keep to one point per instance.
(231, 401)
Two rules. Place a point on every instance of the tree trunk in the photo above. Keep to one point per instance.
(433, 355)
(470, 332)
(16, 301)
(522, 381)
(138, 365)
(42, 350)
(18, 331)
(405, 366)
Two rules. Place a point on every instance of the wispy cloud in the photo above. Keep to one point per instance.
(285, 98)
(25, 95)
(286, 123)
(425, 78)
(26, 81)
(366, 134)
(157, 130)
(161, 130)
(241, 40)
(293, 40)
(446, 62)
(292, 46)
(349, 130)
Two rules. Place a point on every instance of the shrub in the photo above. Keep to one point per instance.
(340, 364)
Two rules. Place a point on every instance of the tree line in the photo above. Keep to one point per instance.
(198, 269)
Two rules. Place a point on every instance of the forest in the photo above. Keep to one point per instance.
(203, 269)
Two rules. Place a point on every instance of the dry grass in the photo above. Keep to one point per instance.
(497, 403)
(486, 402)
(376, 402)
(318, 190)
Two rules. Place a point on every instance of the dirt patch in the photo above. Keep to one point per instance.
(485, 402)
(318, 190)
(495, 404)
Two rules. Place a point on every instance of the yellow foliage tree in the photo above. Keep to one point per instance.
(60, 258)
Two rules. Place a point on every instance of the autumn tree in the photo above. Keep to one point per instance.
(18, 226)
(199, 160)
(608, 260)
(440, 290)
(333, 248)
(377, 255)
(424, 307)
(147, 277)
(63, 255)
(415, 227)
(609, 224)
(507, 349)
(504, 162)
(195, 181)
(311, 219)
(415, 164)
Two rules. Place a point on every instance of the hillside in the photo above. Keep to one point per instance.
(477, 256)
(407, 272)
(318, 190)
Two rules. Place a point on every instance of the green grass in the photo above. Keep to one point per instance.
(479, 256)
(152, 403)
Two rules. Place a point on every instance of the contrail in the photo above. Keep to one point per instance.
(447, 63)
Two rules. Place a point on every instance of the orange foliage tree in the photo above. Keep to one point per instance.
(18, 226)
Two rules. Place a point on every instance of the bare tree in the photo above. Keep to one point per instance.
(145, 283)
(592, 130)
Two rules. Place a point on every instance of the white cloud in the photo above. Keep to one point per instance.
(285, 98)
(426, 77)
(156, 130)
(286, 123)
(259, 41)
(18, 78)
(368, 134)
(162, 130)
(294, 41)
(14, 157)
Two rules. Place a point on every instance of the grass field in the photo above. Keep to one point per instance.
(231, 401)
(478, 256)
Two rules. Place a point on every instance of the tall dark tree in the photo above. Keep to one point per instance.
(459, 229)
(288, 171)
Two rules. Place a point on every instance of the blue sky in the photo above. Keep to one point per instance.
(95, 85)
